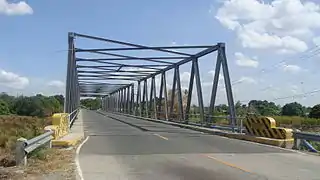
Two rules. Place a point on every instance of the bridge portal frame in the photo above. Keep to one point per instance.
(120, 97)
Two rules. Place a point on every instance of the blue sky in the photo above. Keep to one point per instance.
(264, 41)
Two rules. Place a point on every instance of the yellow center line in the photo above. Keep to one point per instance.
(226, 163)
(162, 137)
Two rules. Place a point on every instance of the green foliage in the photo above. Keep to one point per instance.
(90, 103)
(264, 108)
(315, 111)
(9, 100)
(241, 109)
(4, 108)
(293, 109)
(59, 98)
(39, 105)
(296, 121)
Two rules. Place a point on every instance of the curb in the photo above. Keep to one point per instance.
(67, 143)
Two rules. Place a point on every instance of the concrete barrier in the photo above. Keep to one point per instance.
(263, 130)
(60, 125)
(61, 135)
(262, 126)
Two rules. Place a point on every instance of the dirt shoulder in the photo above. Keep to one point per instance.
(50, 164)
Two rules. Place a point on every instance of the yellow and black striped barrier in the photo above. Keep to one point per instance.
(265, 127)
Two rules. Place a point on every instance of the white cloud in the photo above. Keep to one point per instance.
(279, 24)
(242, 60)
(248, 80)
(316, 40)
(11, 8)
(291, 68)
(185, 77)
(13, 80)
(56, 83)
(221, 77)
(252, 39)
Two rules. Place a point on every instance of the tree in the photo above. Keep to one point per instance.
(241, 109)
(60, 99)
(9, 100)
(90, 103)
(315, 111)
(292, 109)
(263, 108)
(39, 105)
(4, 108)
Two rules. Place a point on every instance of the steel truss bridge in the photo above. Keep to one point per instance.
(122, 84)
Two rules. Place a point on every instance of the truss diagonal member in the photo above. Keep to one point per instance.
(130, 44)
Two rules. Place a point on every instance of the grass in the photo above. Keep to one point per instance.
(13, 127)
(41, 161)
(47, 164)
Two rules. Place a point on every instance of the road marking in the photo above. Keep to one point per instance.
(77, 159)
(162, 137)
(226, 163)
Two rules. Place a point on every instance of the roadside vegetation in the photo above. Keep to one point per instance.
(26, 117)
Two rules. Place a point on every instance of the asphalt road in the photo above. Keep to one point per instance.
(122, 148)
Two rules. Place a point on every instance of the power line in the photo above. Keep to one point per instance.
(293, 96)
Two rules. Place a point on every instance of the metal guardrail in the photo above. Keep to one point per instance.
(72, 116)
(25, 147)
(302, 138)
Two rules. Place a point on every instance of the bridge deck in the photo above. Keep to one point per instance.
(127, 148)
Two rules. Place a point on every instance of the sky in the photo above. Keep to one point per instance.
(271, 46)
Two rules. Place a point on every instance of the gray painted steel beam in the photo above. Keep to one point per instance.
(199, 89)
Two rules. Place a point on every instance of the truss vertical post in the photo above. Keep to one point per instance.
(119, 100)
(227, 82)
(132, 104)
(125, 100)
(214, 87)
(114, 102)
(151, 96)
(107, 103)
(180, 105)
(70, 69)
(173, 92)
(128, 100)
(160, 97)
(190, 89)
(139, 107)
(165, 95)
(123, 94)
(145, 92)
(199, 89)
(154, 98)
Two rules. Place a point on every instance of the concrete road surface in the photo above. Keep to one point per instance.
(122, 148)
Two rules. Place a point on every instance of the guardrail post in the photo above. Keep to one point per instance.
(20, 154)
(49, 145)
(296, 142)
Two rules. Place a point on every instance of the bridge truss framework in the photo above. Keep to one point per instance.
(98, 80)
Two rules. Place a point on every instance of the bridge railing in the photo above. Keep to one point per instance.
(73, 116)
(25, 146)
(301, 139)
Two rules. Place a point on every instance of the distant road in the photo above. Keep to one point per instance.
(123, 148)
